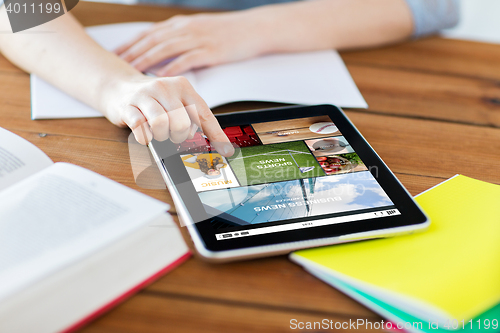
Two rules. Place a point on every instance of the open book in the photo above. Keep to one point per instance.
(299, 78)
(447, 278)
(72, 242)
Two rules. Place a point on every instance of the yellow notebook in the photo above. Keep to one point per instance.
(451, 271)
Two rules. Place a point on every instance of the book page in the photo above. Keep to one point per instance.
(19, 159)
(309, 78)
(61, 215)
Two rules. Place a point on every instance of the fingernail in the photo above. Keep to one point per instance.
(138, 66)
(165, 72)
(143, 134)
(193, 130)
(227, 149)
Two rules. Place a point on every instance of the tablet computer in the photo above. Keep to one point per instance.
(301, 176)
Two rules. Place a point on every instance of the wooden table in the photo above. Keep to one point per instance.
(434, 112)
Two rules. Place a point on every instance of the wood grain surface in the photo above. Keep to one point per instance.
(434, 112)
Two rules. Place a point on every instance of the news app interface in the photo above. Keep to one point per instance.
(284, 170)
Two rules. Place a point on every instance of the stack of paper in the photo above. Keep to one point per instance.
(445, 278)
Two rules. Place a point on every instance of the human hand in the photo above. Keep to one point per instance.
(196, 41)
(163, 108)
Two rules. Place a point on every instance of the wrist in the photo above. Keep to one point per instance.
(114, 92)
(293, 27)
(271, 31)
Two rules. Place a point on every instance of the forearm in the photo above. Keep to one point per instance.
(62, 53)
(333, 24)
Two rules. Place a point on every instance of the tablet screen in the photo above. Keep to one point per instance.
(285, 175)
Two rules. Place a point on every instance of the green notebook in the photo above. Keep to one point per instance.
(449, 274)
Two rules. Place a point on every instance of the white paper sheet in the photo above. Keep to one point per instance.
(478, 22)
(300, 78)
